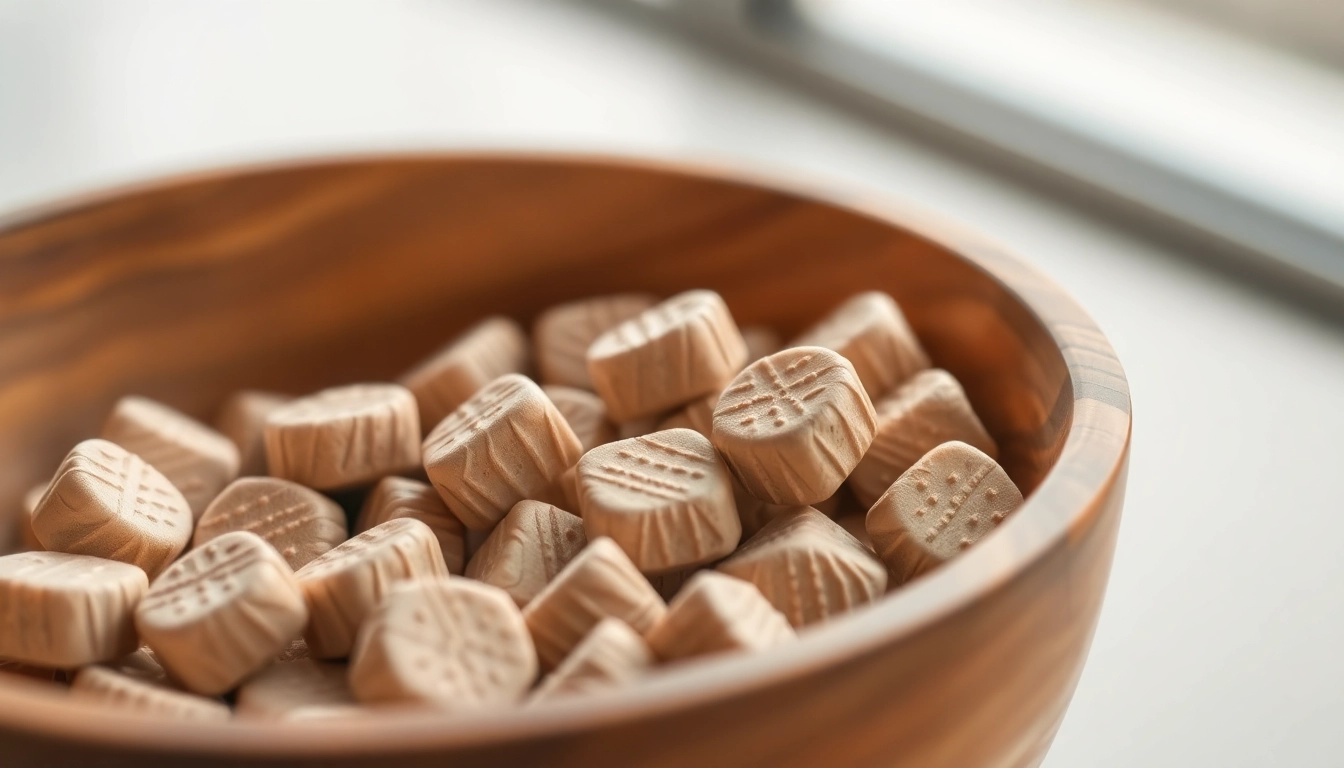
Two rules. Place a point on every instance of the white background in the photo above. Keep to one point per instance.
(1220, 642)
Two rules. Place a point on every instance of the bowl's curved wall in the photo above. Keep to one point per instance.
(292, 278)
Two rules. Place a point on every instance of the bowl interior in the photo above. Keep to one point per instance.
(294, 278)
(297, 277)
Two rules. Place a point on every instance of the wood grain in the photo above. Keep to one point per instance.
(297, 277)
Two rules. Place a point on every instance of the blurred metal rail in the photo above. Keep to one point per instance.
(1304, 249)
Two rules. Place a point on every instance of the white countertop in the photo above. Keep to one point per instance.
(1220, 639)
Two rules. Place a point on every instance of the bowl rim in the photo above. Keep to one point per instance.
(1092, 458)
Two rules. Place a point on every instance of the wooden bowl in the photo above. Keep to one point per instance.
(300, 276)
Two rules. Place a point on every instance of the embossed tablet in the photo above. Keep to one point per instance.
(344, 436)
(941, 506)
(585, 413)
(242, 419)
(793, 425)
(715, 613)
(686, 347)
(62, 611)
(28, 505)
(753, 513)
(299, 522)
(396, 497)
(665, 498)
(455, 644)
(563, 333)
(134, 694)
(506, 444)
(195, 458)
(222, 612)
(107, 502)
(448, 378)
(326, 712)
(808, 567)
(280, 691)
(610, 656)
(928, 410)
(343, 586)
(527, 549)
(599, 582)
(871, 332)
